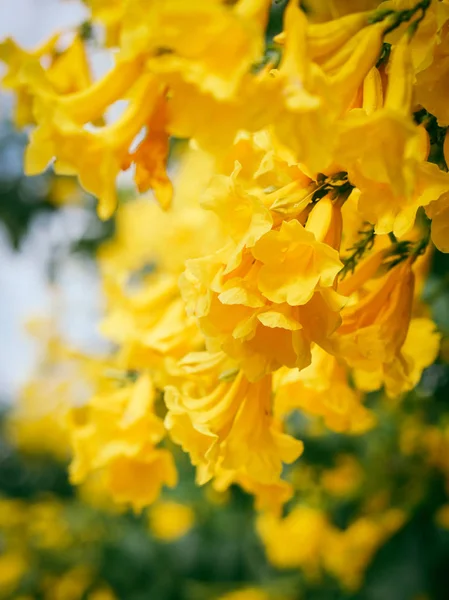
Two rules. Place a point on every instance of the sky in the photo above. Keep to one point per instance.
(25, 291)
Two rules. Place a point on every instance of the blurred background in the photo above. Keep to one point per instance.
(385, 493)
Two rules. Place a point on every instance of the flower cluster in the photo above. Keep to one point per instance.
(308, 187)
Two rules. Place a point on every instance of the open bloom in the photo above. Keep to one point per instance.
(227, 424)
(270, 292)
(322, 389)
(77, 149)
(116, 433)
(372, 336)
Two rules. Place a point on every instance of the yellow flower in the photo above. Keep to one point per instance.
(438, 211)
(379, 204)
(101, 593)
(116, 433)
(71, 585)
(170, 520)
(12, 567)
(267, 497)
(264, 300)
(245, 218)
(322, 10)
(374, 329)
(47, 525)
(77, 149)
(389, 169)
(348, 553)
(304, 111)
(231, 425)
(295, 265)
(322, 389)
(68, 72)
(210, 44)
(431, 83)
(235, 317)
(420, 349)
(345, 478)
(442, 516)
(137, 480)
(110, 14)
(150, 323)
(143, 232)
(150, 157)
(250, 593)
(297, 540)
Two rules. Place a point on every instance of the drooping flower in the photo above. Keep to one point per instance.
(322, 389)
(76, 149)
(227, 424)
(116, 433)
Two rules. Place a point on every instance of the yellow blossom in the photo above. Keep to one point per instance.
(297, 540)
(170, 520)
(77, 149)
(12, 567)
(117, 432)
(68, 72)
(374, 329)
(294, 264)
(348, 553)
(442, 516)
(211, 45)
(231, 425)
(322, 389)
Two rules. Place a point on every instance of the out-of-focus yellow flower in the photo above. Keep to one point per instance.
(71, 585)
(150, 324)
(47, 525)
(143, 232)
(170, 520)
(247, 594)
(345, 478)
(102, 593)
(297, 540)
(110, 14)
(137, 480)
(150, 157)
(117, 433)
(12, 567)
(442, 516)
(268, 497)
(348, 553)
(12, 513)
(67, 73)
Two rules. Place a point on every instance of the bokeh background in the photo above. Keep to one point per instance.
(58, 542)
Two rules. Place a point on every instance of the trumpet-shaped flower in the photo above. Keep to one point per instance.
(116, 433)
(208, 43)
(231, 425)
(96, 157)
(294, 264)
(374, 329)
(323, 390)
